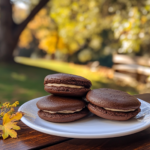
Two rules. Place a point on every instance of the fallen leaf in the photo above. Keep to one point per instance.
(14, 117)
(9, 125)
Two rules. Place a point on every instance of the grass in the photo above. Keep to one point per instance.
(60, 67)
(22, 83)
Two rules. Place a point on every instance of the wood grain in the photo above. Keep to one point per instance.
(138, 141)
(145, 97)
(29, 139)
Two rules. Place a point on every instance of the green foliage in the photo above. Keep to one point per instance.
(131, 25)
(21, 83)
(78, 21)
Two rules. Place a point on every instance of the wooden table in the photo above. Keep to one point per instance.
(32, 139)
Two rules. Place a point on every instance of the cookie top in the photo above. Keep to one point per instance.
(68, 79)
(113, 99)
(56, 103)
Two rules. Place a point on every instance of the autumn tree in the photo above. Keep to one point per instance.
(82, 27)
(10, 31)
(69, 27)
(82, 23)
(86, 30)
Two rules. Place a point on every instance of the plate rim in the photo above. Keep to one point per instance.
(81, 135)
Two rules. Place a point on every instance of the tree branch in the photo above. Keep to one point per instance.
(22, 25)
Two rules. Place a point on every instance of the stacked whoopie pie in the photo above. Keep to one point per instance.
(66, 103)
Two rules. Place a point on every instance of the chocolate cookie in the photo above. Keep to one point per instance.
(112, 104)
(61, 109)
(66, 85)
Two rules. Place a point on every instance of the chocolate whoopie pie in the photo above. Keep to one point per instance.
(112, 104)
(66, 85)
(61, 109)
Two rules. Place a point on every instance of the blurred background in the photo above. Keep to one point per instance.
(106, 41)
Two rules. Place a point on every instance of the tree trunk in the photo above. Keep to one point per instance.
(9, 31)
(6, 39)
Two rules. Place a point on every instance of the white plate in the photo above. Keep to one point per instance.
(89, 127)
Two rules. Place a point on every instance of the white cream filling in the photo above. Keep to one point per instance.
(63, 111)
(65, 85)
(120, 110)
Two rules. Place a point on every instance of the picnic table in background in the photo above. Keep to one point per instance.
(131, 69)
(32, 139)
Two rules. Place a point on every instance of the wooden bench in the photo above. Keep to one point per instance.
(131, 68)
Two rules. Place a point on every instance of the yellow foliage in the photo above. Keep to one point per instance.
(61, 45)
(42, 33)
(128, 26)
(42, 12)
(7, 108)
(41, 19)
(10, 125)
(73, 46)
(48, 44)
(72, 28)
(25, 38)
(41, 25)
(143, 19)
(51, 42)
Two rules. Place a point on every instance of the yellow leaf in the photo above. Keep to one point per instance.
(25, 38)
(8, 130)
(8, 118)
(9, 125)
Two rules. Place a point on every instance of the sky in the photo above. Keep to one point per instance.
(21, 3)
